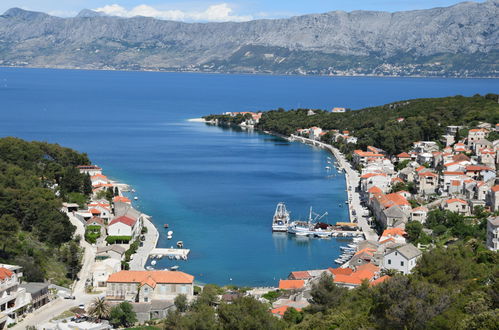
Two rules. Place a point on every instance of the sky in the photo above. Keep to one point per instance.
(213, 10)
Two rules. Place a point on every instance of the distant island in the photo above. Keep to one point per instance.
(456, 41)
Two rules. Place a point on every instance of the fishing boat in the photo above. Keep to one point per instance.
(280, 221)
(149, 268)
(177, 257)
(180, 244)
(136, 198)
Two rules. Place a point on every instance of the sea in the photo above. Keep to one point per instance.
(216, 188)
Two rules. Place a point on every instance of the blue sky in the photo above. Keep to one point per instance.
(213, 10)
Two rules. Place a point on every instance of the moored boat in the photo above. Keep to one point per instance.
(281, 218)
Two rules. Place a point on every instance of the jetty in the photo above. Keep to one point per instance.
(169, 252)
(352, 179)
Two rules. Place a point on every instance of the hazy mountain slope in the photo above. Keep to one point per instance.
(442, 41)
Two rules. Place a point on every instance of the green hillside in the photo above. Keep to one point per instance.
(35, 178)
(424, 119)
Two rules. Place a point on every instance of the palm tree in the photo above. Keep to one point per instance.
(99, 309)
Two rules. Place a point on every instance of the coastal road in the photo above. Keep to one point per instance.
(41, 317)
(151, 240)
(352, 178)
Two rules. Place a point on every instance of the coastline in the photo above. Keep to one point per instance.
(352, 179)
(246, 73)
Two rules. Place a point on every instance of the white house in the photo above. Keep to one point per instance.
(493, 198)
(456, 205)
(402, 258)
(90, 169)
(493, 233)
(315, 133)
(419, 214)
(123, 226)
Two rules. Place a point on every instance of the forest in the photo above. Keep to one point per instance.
(421, 120)
(35, 178)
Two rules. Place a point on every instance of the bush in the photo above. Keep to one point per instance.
(120, 239)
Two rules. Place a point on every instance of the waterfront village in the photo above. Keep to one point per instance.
(118, 239)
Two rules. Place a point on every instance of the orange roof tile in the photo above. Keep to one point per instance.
(453, 173)
(404, 155)
(5, 273)
(340, 271)
(374, 190)
(122, 199)
(455, 183)
(291, 284)
(455, 200)
(301, 275)
(380, 280)
(495, 188)
(393, 232)
(370, 175)
(159, 276)
(94, 211)
(126, 220)
(281, 310)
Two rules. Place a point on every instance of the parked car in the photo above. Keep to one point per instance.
(70, 297)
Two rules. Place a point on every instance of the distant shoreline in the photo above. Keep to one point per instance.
(248, 73)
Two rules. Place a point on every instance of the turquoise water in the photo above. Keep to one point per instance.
(216, 188)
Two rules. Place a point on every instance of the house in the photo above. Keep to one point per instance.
(99, 179)
(121, 199)
(113, 251)
(361, 157)
(300, 275)
(369, 180)
(14, 300)
(481, 144)
(155, 310)
(39, 294)
(402, 258)
(425, 146)
(315, 133)
(123, 226)
(427, 182)
(460, 147)
(403, 156)
(89, 169)
(493, 233)
(448, 177)
(476, 135)
(102, 210)
(144, 286)
(70, 207)
(102, 269)
(279, 311)
(456, 205)
(419, 214)
(291, 284)
(95, 221)
(397, 234)
(362, 257)
(487, 156)
(365, 272)
(480, 172)
(492, 199)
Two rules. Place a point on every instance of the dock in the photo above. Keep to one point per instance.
(171, 252)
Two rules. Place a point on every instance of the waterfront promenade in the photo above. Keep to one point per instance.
(139, 259)
(352, 181)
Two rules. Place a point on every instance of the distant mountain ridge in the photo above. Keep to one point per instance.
(460, 40)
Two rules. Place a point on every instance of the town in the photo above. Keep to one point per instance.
(393, 201)
(391, 197)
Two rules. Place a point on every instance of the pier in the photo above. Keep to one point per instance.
(352, 179)
(171, 252)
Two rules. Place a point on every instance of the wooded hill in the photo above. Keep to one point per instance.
(35, 178)
(424, 120)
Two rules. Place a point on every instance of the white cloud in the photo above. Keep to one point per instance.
(216, 13)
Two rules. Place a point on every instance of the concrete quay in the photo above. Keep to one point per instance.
(352, 179)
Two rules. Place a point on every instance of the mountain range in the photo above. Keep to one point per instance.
(460, 41)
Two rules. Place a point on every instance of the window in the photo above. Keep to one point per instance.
(146, 299)
(389, 261)
(401, 263)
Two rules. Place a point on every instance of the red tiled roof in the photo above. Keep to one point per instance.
(126, 220)
(340, 271)
(380, 280)
(453, 173)
(122, 199)
(145, 276)
(404, 155)
(393, 232)
(455, 200)
(370, 175)
(291, 284)
(301, 275)
(495, 188)
(94, 211)
(5, 273)
(475, 168)
(281, 310)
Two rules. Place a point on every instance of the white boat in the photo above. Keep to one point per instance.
(280, 221)
(169, 237)
(149, 268)
(153, 262)
(322, 234)
(177, 257)
(339, 261)
(184, 257)
(174, 268)
(302, 233)
(136, 198)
